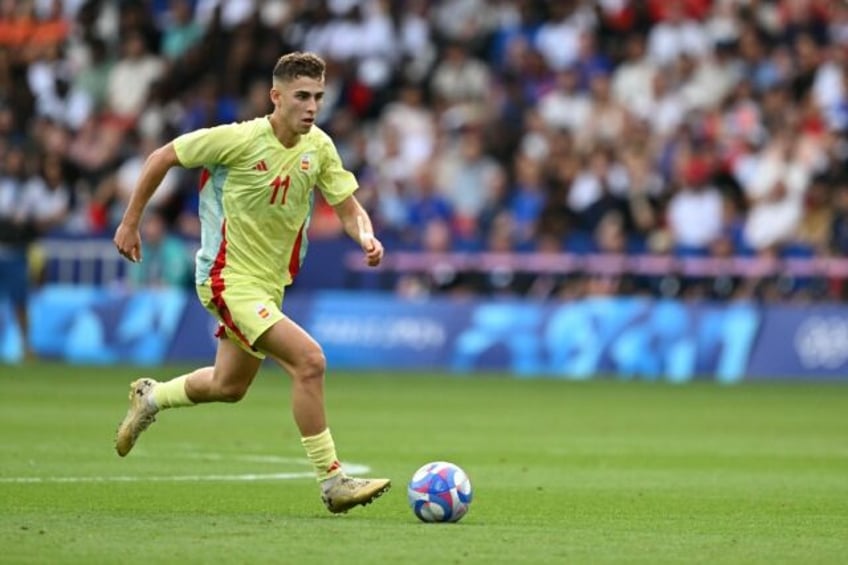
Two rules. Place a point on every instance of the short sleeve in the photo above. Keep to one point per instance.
(335, 182)
(208, 146)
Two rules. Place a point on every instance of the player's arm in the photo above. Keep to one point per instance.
(358, 226)
(127, 238)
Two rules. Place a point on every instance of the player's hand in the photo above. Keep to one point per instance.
(373, 251)
(370, 245)
(128, 242)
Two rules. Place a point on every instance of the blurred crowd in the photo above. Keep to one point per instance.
(701, 128)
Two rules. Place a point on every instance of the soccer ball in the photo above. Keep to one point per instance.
(439, 492)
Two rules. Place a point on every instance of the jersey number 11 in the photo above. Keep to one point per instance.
(277, 183)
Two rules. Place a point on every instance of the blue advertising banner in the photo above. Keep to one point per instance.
(11, 340)
(194, 337)
(811, 341)
(628, 338)
(368, 331)
(90, 325)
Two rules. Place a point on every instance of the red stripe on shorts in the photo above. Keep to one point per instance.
(218, 287)
(294, 260)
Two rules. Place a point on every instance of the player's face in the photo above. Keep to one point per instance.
(297, 102)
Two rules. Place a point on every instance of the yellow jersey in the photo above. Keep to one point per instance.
(256, 198)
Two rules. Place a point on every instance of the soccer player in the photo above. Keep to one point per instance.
(255, 204)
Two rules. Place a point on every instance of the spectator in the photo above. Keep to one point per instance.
(607, 116)
(426, 202)
(566, 106)
(93, 79)
(695, 211)
(17, 231)
(775, 189)
(231, 12)
(256, 102)
(46, 197)
(526, 201)
(459, 78)
(117, 188)
(132, 76)
(209, 106)
(599, 174)
(413, 33)
(462, 21)
(414, 124)
(633, 81)
(50, 81)
(95, 148)
(814, 229)
(559, 37)
(838, 236)
(675, 36)
(465, 173)
(181, 31)
(471, 91)
(167, 262)
(643, 199)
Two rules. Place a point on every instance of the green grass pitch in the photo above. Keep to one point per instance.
(596, 472)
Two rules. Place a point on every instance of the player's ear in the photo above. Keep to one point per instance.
(275, 95)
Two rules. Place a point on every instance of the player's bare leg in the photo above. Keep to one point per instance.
(303, 360)
(227, 381)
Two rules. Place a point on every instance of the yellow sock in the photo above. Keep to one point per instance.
(171, 394)
(321, 451)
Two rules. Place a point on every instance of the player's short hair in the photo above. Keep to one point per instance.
(299, 64)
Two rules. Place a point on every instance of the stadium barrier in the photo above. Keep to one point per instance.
(611, 264)
(93, 261)
(628, 338)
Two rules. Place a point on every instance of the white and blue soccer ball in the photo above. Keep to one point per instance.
(439, 492)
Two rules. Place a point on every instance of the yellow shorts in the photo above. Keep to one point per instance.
(244, 311)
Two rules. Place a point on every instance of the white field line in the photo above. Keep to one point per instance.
(350, 469)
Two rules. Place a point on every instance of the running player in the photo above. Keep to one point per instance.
(255, 202)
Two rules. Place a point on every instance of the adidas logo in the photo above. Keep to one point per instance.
(260, 166)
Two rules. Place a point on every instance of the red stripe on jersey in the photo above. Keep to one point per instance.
(294, 260)
(204, 178)
(218, 287)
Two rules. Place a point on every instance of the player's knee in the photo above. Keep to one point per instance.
(312, 366)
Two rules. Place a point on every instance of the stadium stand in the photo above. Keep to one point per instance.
(689, 148)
